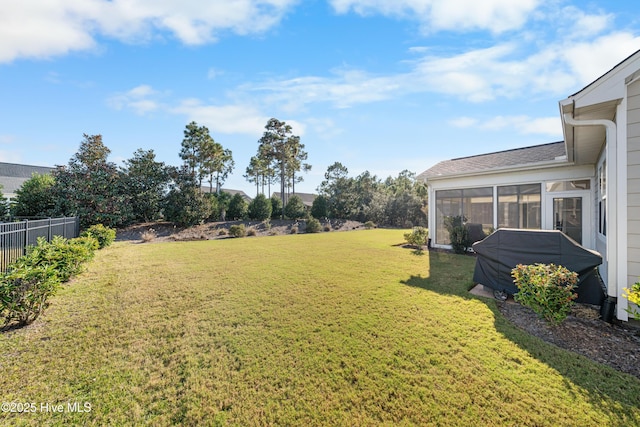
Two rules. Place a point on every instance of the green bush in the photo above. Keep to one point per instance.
(237, 230)
(237, 208)
(369, 225)
(417, 237)
(295, 209)
(65, 256)
(313, 226)
(547, 289)
(260, 208)
(24, 292)
(320, 207)
(104, 235)
(458, 233)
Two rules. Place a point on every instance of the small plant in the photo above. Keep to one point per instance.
(251, 231)
(105, 235)
(458, 233)
(417, 237)
(294, 229)
(327, 228)
(369, 225)
(547, 289)
(24, 292)
(633, 296)
(148, 235)
(222, 232)
(313, 226)
(237, 230)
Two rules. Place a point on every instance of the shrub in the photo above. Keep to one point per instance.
(458, 233)
(237, 208)
(633, 295)
(276, 207)
(369, 225)
(547, 289)
(417, 237)
(222, 232)
(260, 208)
(237, 230)
(313, 226)
(251, 232)
(327, 227)
(104, 235)
(294, 229)
(320, 207)
(65, 256)
(295, 208)
(24, 292)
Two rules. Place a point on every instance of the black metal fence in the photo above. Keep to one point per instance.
(16, 236)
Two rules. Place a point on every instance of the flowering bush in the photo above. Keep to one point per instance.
(633, 295)
(547, 289)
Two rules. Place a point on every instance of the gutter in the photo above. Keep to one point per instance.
(611, 141)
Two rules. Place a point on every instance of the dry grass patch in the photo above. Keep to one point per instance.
(316, 329)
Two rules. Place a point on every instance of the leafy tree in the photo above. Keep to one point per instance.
(237, 208)
(320, 207)
(92, 187)
(146, 184)
(185, 204)
(260, 208)
(295, 209)
(35, 197)
(338, 188)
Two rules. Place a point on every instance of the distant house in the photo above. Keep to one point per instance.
(307, 198)
(587, 186)
(206, 189)
(13, 175)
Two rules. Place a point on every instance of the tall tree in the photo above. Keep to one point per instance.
(281, 148)
(92, 187)
(146, 183)
(35, 198)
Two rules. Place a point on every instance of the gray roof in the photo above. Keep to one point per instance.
(498, 160)
(307, 198)
(206, 188)
(13, 175)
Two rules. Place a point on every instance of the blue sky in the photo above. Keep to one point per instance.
(375, 84)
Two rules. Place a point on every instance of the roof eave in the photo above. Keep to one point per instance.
(505, 169)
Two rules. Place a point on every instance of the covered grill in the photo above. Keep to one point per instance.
(501, 251)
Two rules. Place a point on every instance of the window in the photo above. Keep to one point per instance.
(556, 186)
(476, 204)
(519, 206)
(602, 198)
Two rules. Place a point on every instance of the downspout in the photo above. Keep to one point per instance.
(611, 141)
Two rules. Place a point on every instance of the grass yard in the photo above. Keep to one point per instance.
(321, 329)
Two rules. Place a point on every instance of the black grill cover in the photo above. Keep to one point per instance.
(501, 251)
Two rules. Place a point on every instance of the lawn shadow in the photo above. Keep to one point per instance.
(451, 275)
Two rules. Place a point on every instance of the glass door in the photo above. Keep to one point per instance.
(567, 216)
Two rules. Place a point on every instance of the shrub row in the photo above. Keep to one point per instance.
(29, 281)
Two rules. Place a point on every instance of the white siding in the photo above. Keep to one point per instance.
(633, 182)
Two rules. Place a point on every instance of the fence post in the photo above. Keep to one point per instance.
(26, 236)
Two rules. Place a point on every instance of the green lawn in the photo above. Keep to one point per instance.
(323, 329)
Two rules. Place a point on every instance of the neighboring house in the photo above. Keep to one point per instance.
(307, 198)
(588, 186)
(206, 189)
(12, 176)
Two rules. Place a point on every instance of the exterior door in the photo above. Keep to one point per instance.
(569, 213)
(567, 216)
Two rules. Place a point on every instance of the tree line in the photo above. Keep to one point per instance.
(145, 189)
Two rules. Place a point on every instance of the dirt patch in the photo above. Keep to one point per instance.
(165, 231)
(614, 344)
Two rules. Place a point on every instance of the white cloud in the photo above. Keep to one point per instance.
(37, 29)
(522, 124)
(459, 15)
(139, 99)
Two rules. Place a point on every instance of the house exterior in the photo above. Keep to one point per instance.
(13, 175)
(307, 198)
(587, 186)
